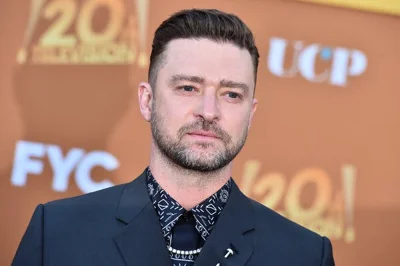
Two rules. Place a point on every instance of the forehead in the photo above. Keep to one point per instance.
(209, 59)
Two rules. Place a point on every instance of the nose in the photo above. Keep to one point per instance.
(208, 108)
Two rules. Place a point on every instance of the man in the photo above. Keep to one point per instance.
(184, 209)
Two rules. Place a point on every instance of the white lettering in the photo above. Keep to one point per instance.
(63, 167)
(24, 164)
(307, 64)
(344, 62)
(340, 65)
(276, 58)
(92, 159)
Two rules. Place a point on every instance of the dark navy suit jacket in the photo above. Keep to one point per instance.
(118, 226)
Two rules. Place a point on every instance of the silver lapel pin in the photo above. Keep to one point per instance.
(228, 253)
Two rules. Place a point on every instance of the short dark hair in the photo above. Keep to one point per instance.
(201, 23)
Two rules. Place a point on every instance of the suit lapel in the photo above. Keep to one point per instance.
(233, 230)
(141, 242)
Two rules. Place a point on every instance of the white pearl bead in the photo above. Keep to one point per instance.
(183, 252)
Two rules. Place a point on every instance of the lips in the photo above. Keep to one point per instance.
(205, 134)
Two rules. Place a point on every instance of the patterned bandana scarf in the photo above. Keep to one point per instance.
(169, 211)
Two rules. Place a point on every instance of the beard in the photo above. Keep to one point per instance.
(183, 155)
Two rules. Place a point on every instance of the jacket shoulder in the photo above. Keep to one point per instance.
(265, 217)
(287, 242)
(91, 206)
(99, 196)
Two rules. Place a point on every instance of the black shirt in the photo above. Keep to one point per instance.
(172, 215)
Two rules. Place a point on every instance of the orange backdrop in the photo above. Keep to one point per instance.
(324, 148)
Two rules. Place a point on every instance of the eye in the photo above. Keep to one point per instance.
(187, 88)
(234, 95)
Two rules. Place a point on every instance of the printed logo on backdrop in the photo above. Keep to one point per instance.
(329, 212)
(29, 160)
(72, 38)
(92, 36)
(316, 63)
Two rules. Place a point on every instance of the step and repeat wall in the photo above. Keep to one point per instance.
(324, 149)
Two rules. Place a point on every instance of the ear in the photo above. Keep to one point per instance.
(253, 110)
(145, 93)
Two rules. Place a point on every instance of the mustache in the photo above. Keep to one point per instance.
(205, 126)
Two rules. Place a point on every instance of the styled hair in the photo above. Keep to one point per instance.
(211, 24)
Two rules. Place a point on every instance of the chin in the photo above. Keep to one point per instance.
(200, 151)
(204, 158)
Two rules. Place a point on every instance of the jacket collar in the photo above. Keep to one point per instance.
(141, 241)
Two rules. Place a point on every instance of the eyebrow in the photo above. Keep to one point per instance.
(200, 80)
(176, 78)
(233, 84)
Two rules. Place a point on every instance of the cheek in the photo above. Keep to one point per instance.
(172, 113)
(179, 109)
(237, 123)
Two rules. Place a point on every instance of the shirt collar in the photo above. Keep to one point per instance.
(169, 210)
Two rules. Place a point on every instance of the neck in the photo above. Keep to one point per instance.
(187, 187)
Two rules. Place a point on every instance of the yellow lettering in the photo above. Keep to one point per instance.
(292, 202)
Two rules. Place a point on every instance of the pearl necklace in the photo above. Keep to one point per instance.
(184, 252)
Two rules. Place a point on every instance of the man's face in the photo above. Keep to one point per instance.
(202, 103)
